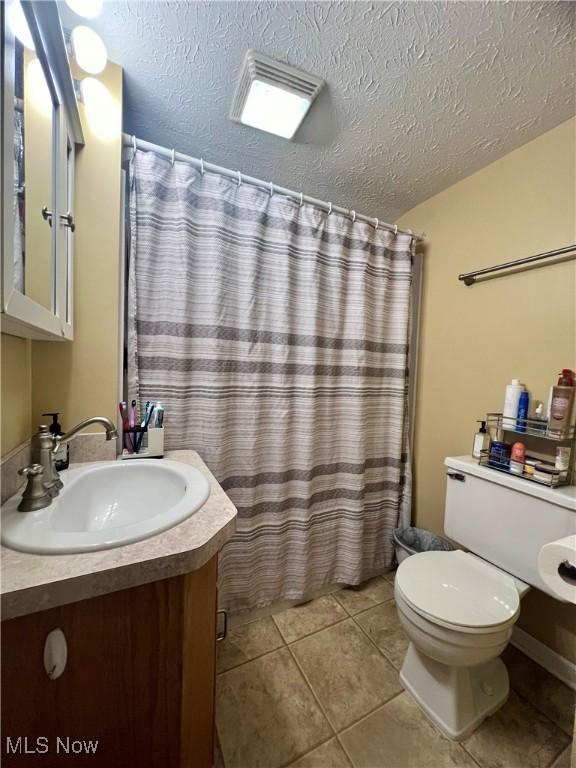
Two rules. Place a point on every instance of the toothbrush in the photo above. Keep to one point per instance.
(132, 424)
(144, 424)
(124, 416)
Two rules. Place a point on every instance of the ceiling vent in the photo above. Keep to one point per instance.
(272, 96)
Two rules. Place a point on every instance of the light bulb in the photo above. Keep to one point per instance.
(18, 24)
(88, 9)
(89, 50)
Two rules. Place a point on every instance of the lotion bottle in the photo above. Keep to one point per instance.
(511, 401)
(481, 441)
(562, 403)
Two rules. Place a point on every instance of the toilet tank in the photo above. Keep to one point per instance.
(505, 519)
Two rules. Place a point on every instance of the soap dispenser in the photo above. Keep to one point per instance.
(63, 453)
(481, 441)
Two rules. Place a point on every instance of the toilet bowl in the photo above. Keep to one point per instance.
(458, 612)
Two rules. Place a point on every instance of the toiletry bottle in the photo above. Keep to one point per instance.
(539, 421)
(481, 441)
(523, 404)
(562, 404)
(511, 400)
(517, 457)
(63, 453)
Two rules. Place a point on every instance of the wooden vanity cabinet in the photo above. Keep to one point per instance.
(139, 679)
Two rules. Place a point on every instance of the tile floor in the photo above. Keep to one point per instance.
(316, 686)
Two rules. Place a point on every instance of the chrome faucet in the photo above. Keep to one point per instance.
(45, 445)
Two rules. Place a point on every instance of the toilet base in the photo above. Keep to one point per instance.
(456, 699)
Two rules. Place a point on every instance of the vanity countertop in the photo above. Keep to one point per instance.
(32, 583)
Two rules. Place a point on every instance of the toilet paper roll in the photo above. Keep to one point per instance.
(557, 567)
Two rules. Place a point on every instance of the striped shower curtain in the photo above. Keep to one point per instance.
(276, 336)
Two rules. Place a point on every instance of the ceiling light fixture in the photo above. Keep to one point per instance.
(272, 96)
(89, 50)
(88, 9)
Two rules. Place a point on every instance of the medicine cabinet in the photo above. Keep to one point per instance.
(40, 132)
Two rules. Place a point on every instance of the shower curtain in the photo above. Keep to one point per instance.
(276, 337)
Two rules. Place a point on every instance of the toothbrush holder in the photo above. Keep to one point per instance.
(151, 446)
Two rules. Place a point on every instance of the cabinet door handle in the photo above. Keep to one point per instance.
(68, 220)
(221, 633)
(456, 476)
(47, 215)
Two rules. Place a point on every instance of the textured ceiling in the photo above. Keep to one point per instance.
(419, 94)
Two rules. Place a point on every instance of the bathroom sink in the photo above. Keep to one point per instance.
(107, 504)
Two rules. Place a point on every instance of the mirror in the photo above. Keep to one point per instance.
(34, 118)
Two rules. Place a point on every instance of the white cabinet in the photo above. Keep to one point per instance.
(40, 130)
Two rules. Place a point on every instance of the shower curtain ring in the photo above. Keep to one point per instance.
(133, 145)
(239, 178)
(201, 166)
(395, 229)
(329, 209)
(353, 216)
(271, 188)
(377, 223)
(301, 199)
(173, 156)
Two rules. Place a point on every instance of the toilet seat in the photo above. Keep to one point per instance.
(458, 591)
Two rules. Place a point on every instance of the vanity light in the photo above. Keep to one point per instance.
(88, 9)
(18, 24)
(272, 96)
(89, 50)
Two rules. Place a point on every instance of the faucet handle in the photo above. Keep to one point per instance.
(32, 471)
(35, 495)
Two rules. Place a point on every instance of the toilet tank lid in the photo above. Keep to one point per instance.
(458, 589)
(562, 497)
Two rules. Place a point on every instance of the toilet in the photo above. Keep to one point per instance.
(459, 608)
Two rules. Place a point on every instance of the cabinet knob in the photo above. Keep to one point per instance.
(68, 220)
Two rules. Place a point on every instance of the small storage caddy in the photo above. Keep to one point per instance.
(540, 444)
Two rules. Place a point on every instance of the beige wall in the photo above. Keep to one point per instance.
(16, 386)
(78, 378)
(474, 340)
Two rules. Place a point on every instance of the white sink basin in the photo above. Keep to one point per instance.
(107, 504)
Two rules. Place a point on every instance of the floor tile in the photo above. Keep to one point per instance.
(364, 596)
(347, 673)
(399, 735)
(543, 690)
(266, 715)
(383, 626)
(390, 576)
(329, 755)
(218, 759)
(517, 736)
(564, 760)
(247, 642)
(302, 620)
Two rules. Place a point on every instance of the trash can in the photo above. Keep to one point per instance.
(410, 541)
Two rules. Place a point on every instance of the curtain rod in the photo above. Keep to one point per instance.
(132, 141)
(469, 278)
